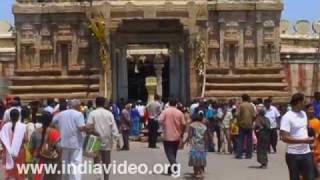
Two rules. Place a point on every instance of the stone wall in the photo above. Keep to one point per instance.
(56, 55)
(7, 56)
(47, 31)
(300, 55)
(246, 30)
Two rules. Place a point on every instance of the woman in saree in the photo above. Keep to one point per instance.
(13, 136)
(135, 121)
(48, 151)
(262, 131)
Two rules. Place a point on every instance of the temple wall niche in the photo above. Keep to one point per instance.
(213, 45)
(250, 41)
(26, 56)
(40, 42)
(54, 47)
(46, 48)
(213, 40)
(271, 40)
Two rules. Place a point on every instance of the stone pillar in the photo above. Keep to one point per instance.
(193, 77)
(115, 63)
(276, 61)
(158, 65)
(18, 46)
(174, 71)
(36, 61)
(183, 74)
(123, 73)
(55, 57)
(240, 57)
(151, 85)
(222, 59)
(259, 44)
(74, 48)
(226, 55)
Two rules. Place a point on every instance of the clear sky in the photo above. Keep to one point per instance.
(294, 10)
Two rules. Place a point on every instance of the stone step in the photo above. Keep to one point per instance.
(55, 71)
(239, 93)
(253, 70)
(50, 80)
(246, 86)
(212, 70)
(42, 78)
(258, 70)
(217, 78)
(276, 99)
(38, 96)
(54, 88)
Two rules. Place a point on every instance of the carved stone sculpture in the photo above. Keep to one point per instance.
(200, 56)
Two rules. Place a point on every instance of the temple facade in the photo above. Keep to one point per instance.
(300, 55)
(217, 48)
(7, 56)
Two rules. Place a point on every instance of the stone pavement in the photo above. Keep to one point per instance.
(220, 166)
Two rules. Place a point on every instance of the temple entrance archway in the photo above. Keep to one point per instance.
(162, 45)
(145, 60)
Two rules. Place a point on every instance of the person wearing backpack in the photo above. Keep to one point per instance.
(262, 130)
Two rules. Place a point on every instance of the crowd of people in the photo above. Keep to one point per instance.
(56, 131)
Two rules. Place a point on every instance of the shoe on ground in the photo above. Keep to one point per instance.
(263, 166)
(238, 157)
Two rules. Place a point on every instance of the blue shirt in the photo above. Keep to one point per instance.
(116, 112)
(316, 106)
(211, 113)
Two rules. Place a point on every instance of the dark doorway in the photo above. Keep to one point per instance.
(138, 70)
(232, 56)
(143, 36)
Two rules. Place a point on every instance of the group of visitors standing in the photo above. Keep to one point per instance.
(53, 135)
(240, 128)
(55, 132)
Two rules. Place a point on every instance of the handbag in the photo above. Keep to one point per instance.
(92, 146)
(48, 151)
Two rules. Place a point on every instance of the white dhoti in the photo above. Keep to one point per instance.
(72, 159)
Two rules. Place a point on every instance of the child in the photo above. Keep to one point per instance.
(234, 131)
(197, 137)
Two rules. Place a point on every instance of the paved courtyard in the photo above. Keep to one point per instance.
(220, 167)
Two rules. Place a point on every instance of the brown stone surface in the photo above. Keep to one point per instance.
(242, 53)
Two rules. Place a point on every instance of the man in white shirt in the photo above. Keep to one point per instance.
(50, 105)
(294, 132)
(193, 106)
(273, 115)
(105, 125)
(71, 125)
(154, 109)
(141, 109)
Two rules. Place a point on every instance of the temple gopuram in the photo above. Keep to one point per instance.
(214, 49)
